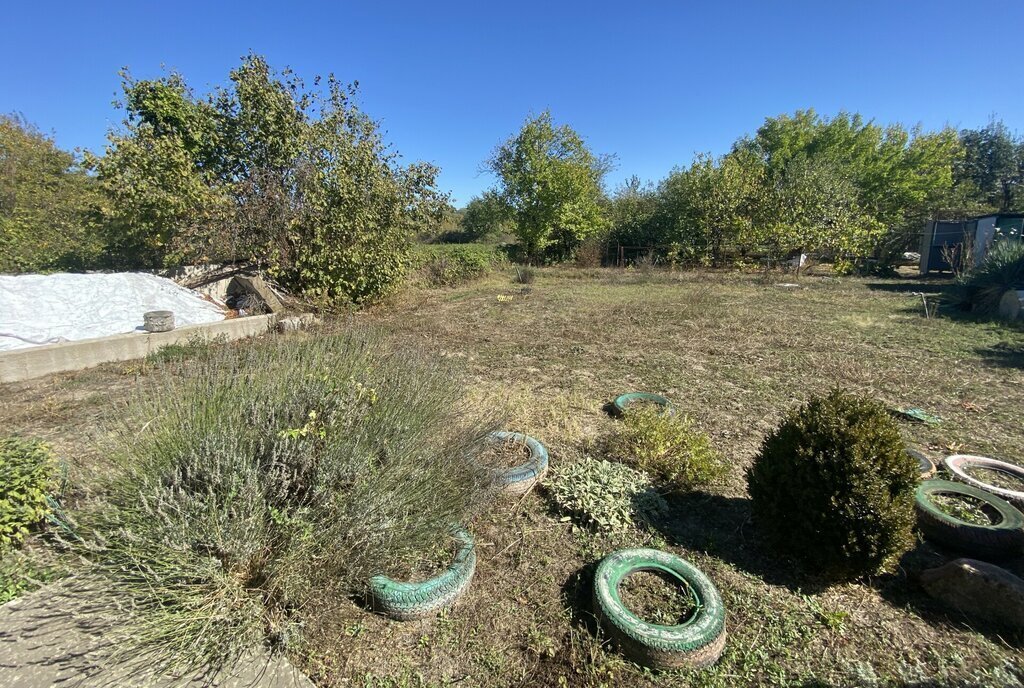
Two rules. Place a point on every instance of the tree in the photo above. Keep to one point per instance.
(298, 181)
(993, 164)
(551, 184)
(47, 203)
(484, 217)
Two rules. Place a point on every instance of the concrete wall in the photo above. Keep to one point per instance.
(36, 361)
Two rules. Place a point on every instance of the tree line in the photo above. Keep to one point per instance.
(845, 188)
(297, 179)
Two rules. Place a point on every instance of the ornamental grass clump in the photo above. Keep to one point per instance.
(264, 479)
(833, 487)
(666, 446)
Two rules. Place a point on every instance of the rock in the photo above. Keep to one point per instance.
(983, 591)
(295, 323)
(1010, 304)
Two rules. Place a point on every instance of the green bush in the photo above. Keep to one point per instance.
(604, 496)
(834, 487)
(667, 447)
(26, 479)
(266, 480)
(1001, 270)
(450, 264)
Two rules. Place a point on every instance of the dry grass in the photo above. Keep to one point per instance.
(733, 352)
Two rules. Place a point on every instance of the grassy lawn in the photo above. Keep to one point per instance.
(733, 352)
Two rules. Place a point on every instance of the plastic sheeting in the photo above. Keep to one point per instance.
(46, 309)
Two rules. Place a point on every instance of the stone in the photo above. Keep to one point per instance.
(980, 590)
(294, 323)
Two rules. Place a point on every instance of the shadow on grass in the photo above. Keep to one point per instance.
(910, 286)
(578, 598)
(722, 527)
(1003, 355)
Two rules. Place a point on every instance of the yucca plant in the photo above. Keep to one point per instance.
(264, 477)
(1002, 269)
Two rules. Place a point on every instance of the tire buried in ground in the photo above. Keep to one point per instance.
(925, 464)
(1002, 539)
(519, 479)
(695, 643)
(406, 601)
(624, 401)
(956, 464)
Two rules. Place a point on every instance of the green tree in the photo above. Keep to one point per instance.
(993, 164)
(47, 203)
(485, 217)
(551, 184)
(298, 181)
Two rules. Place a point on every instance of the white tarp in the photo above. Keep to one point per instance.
(45, 309)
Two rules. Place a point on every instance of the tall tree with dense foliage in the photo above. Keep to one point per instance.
(551, 184)
(47, 203)
(299, 181)
(993, 165)
(484, 217)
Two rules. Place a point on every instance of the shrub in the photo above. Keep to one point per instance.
(266, 477)
(450, 264)
(525, 274)
(604, 496)
(667, 447)
(26, 478)
(833, 487)
(1001, 270)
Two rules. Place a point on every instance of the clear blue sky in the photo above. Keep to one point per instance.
(652, 82)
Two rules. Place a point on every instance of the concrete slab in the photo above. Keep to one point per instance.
(36, 361)
(55, 637)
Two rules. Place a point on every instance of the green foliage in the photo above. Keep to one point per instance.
(604, 496)
(300, 182)
(272, 475)
(842, 188)
(833, 487)
(551, 186)
(451, 264)
(485, 217)
(26, 481)
(666, 446)
(1001, 270)
(47, 203)
(993, 167)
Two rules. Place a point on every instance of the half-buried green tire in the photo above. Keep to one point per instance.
(1002, 539)
(405, 601)
(698, 642)
(624, 401)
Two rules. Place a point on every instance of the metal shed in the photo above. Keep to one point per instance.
(976, 232)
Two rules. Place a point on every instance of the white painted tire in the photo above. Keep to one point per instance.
(955, 465)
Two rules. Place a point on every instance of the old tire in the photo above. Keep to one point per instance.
(624, 401)
(1002, 539)
(926, 465)
(405, 601)
(698, 642)
(519, 479)
(955, 464)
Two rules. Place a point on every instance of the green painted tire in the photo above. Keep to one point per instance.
(405, 601)
(1002, 539)
(519, 479)
(698, 642)
(624, 401)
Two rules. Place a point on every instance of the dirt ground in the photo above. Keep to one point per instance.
(734, 352)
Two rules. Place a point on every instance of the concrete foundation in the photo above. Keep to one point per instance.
(25, 364)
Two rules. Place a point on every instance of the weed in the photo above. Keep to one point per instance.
(27, 474)
(604, 496)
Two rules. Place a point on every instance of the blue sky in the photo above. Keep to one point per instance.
(652, 82)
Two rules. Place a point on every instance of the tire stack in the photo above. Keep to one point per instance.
(1002, 539)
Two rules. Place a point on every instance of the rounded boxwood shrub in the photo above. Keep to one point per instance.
(834, 487)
